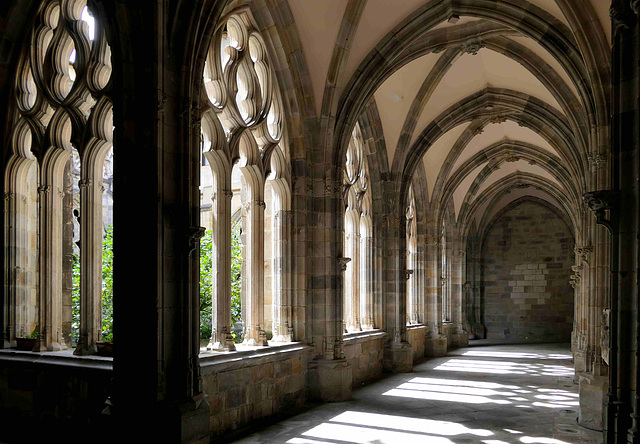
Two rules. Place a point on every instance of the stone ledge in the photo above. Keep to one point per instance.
(416, 326)
(363, 336)
(224, 361)
(62, 358)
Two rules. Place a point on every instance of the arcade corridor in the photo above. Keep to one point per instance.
(491, 394)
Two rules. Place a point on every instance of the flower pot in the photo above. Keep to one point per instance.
(105, 348)
(26, 344)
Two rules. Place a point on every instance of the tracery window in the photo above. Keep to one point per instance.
(413, 275)
(445, 276)
(244, 144)
(358, 238)
(62, 133)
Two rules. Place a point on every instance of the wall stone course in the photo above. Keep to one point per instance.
(534, 289)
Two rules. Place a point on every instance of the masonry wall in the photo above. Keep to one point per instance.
(44, 398)
(416, 337)
(527, 258)
(246, 386)
(364, 352)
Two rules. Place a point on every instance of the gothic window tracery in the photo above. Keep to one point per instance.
(358, 238)
(243, 131)
(413, 304)
(62, 132)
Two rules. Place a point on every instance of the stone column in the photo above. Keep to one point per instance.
(436, 342)
(10, 282)
(352, 281)
(254, 278)
(366, 282)
(90, 262)
(221, 338)
(50, 275)
(282, 305)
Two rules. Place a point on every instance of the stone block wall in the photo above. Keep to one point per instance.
(43, 398)
(416, 337)
(245, 386)
(527, 260)
(364, 353)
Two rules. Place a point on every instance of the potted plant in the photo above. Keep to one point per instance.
(28, 342)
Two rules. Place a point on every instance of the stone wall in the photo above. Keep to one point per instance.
(364, 353)
(416, 337)
(43, 398)
(527, 258)
(246, 386)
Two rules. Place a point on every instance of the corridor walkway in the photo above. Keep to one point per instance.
(481, 394)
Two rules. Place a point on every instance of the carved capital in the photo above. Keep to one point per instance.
(582, 253)
(622, 20)
(407, 274)
(599, 201)
(84, 183)
(8, 196)
(227, 193)
(343, 261)
(443, 281)
(261, 204)
(598, 161)
(42, 189)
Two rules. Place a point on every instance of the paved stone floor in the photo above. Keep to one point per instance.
(481, 394)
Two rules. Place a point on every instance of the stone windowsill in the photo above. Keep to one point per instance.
(246, 356)
(61, 358)
(415, 326)
(363, 336)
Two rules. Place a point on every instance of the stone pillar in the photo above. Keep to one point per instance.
(10, 282)
(366, 282)
(90, 262)
(282, 305)
(67, 253)
(352, 281)
(50, 275)
(254, 278)
(436, 342)
(221, 338)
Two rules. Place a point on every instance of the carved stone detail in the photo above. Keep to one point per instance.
(601, 200)
(598, 161)
(472, 46)
(343, 261)
(407, 274)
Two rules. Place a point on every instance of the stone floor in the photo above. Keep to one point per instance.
(481, 394)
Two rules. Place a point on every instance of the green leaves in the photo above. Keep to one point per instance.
(107, 290)
(206, 290)
(107, 285)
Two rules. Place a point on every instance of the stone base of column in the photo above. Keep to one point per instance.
(593, 391)
(398, 357)
(459, 340)
(580, 360)
(435, 346)
(329, 380)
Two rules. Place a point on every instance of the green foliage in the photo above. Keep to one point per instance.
(75, 299)
(107, 286)
(206, 290)
(33, 335)
(107, 291)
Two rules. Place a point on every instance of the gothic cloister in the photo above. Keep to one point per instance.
(262, 204)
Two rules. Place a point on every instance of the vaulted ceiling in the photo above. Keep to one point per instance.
(486, 107)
